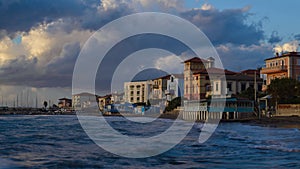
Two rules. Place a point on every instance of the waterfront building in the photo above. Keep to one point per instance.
(192, 66)
(220, 108)
(208, 82)
(65, 103)
(202, 80)
(286, 65)
(103, 101)
(159, 87)
(175, 85)
(138, 91)
(239, 82)
(83, 100)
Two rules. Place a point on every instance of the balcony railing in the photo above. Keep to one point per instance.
(273, 69)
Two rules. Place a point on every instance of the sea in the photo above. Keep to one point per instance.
(60, 142)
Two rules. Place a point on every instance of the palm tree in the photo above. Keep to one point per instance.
(45, 104)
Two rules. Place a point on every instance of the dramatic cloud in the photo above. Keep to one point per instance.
(241, 57)
(40, 40)
(44, 57)
(22, 15)
(227, 26)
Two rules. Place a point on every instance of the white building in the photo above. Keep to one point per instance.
(137, 92)
(82, 100)
(175, 86)
(233, 84)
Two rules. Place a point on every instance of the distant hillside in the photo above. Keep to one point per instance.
(149, 74)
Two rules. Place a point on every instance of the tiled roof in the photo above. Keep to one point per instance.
(240, 76)
(250, 71)
(215, 71)
(284, 55)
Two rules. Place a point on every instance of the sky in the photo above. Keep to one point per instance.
(41, 40)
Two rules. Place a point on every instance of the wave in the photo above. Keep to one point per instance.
(277, 148)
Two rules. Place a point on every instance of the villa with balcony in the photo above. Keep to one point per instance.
(286, 65)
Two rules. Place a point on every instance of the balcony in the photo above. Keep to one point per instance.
(274, 69)
(155, 86)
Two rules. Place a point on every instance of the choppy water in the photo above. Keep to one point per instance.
(60, 142)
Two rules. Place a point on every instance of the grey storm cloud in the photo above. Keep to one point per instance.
(21, 15)
(275, 38)
(227, 26)
(239, 58)
(58, 73)
(297, 37)
(18, 66)
(18, 70)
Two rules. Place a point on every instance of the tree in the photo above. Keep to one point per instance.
(45, 104)
(248, 93)
(148, 103)
(285, 90)
(173, 104)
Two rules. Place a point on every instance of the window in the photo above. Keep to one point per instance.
(298, 78)
(229, 86)
(186, 89)
(172, 79)
(298, 61)
(137, 92)
(217, 86)
(131, 87)
(243, 86)
(206, 77)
